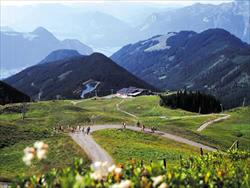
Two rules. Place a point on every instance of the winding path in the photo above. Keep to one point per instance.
(123, 111)
(91, 148)
(4, 184)
(204, 125)
(97, 153)
(75, 102)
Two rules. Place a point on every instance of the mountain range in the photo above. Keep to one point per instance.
(19, 50)
(103, 30)
(114, 24)
(213, 61)
(232, 16)
(71, 77)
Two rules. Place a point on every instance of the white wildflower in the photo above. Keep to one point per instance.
(27, 158)
(123, 184)
(163, 185)
(118, 170)
(111, 168)
(41, 154)
(29, 154)
(40, 145)
(29, 150)
(157, 180)
(100, 170)
(97, 175)
(41, 150)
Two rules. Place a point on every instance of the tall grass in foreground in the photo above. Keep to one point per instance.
(215, 169)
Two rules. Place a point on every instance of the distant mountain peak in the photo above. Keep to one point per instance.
(75, 78)
(98, 54)
(214, 61)
(60, 55)
(32, 47)
(232, 16)
(42, 32)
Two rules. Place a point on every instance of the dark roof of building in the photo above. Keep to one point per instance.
(130, 90)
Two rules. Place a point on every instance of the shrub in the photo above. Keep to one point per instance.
(215, 169)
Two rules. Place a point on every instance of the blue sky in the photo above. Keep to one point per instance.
(69, 2)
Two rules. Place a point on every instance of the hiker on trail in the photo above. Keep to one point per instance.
(124, 125)
(88, 130)
(143, 127)
(153, 129)
(138, 124)
(82, 129)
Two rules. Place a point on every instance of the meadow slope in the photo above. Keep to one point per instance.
(43, 117)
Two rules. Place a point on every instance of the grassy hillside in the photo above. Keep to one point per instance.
(16, 134)
(103, 110)
(145, 106)
(237, 127)
(179, 122)
(42, 117)
(125, 145)
(62, 151)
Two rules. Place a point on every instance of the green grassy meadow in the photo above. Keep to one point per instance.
(237, 127)
(124, 145)
(42, 117)
(16, 134)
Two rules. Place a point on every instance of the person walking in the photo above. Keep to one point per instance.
(88, 130)
(143, 127)
(82, 129)
(138, 124)
(153, 129)
(124, 125)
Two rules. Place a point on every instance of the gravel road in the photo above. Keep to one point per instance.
(97, 153)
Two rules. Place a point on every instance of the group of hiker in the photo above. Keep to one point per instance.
(82, 129)
(138, 124)
(77, 129)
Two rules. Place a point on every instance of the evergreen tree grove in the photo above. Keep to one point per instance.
(192, 101)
